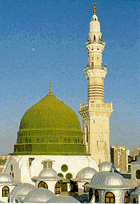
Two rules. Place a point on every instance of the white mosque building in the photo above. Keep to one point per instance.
(53, 156)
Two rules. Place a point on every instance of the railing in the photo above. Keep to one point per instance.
(93, 105)
(105, 105)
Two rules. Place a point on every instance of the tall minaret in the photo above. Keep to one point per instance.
(95, 112)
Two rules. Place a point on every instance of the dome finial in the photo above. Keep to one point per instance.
(50, 91)
(94, 11)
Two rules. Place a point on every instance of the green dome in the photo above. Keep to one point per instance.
(50, 127)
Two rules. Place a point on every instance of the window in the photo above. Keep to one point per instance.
(109, 197)
(127, 196)
(86, 188)
(57, 188)
(90, 194)
(69, 176)
(42, 184)
(96, 197)
(60, 174)
(64, 168)
(30, 161)
(12, 168)
(138, 174)
(5, 191)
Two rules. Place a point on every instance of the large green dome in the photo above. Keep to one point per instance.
(50, 127)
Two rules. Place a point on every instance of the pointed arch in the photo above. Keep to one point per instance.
(42, 184)
(5, 191)
(57, 188)
(86, 188)
(109, 197)
(90, 194)
(96, 196)
(127, 197)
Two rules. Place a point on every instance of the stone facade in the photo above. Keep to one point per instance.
(95, 113)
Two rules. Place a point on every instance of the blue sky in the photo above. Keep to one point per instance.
(45, 39)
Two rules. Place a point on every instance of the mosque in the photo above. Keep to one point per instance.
(53, 157)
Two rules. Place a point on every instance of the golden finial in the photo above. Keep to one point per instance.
(50, 91)
(94, 12)
(50, 86)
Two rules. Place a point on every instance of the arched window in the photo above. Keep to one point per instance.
(138, 174)
(96, 197)
(109, 197)
(134, 200)
(86, 188)
(5, 191)
(90, 194)
(57, 188)
(42, 184)
(127, 197)
(94, 38)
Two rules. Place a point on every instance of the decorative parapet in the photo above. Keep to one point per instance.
(95, 71)
(84, 107)
(92, 105)
(104, 105)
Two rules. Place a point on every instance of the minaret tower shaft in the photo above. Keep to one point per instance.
(96, 113)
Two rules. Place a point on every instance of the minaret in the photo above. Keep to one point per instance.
(96, 113)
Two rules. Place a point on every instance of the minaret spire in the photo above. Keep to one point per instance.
(50, 86)
(50, 91)
(94, 11)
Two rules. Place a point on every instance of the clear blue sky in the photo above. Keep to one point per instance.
(45, 39)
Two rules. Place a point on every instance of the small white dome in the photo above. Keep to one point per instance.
(22, 189)
(137, 190)
(108, 180)
(94, 18)
(39, 195)
(86, 173)
(48, 174)
(5, 178)
(63, 199)
(107, 166)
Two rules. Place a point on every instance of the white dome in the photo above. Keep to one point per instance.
(22, 189)
(39, 195)
(86, 173)
(48, 174)
(108, 180)
(63, 199)
(5, 178)
(137, 190)
(107, 166)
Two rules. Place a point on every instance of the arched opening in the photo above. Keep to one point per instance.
(57, 188)
(86, 188)
(16, 201)
(109, 197)
(74, 186)
(63, 187)
(42, 184)
(127, 197)
(5, 191)
(138, 174)
(96, 197)
(134, 200)
(90, 194)
(94, 38)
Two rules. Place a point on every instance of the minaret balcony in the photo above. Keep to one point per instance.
(93, 105)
